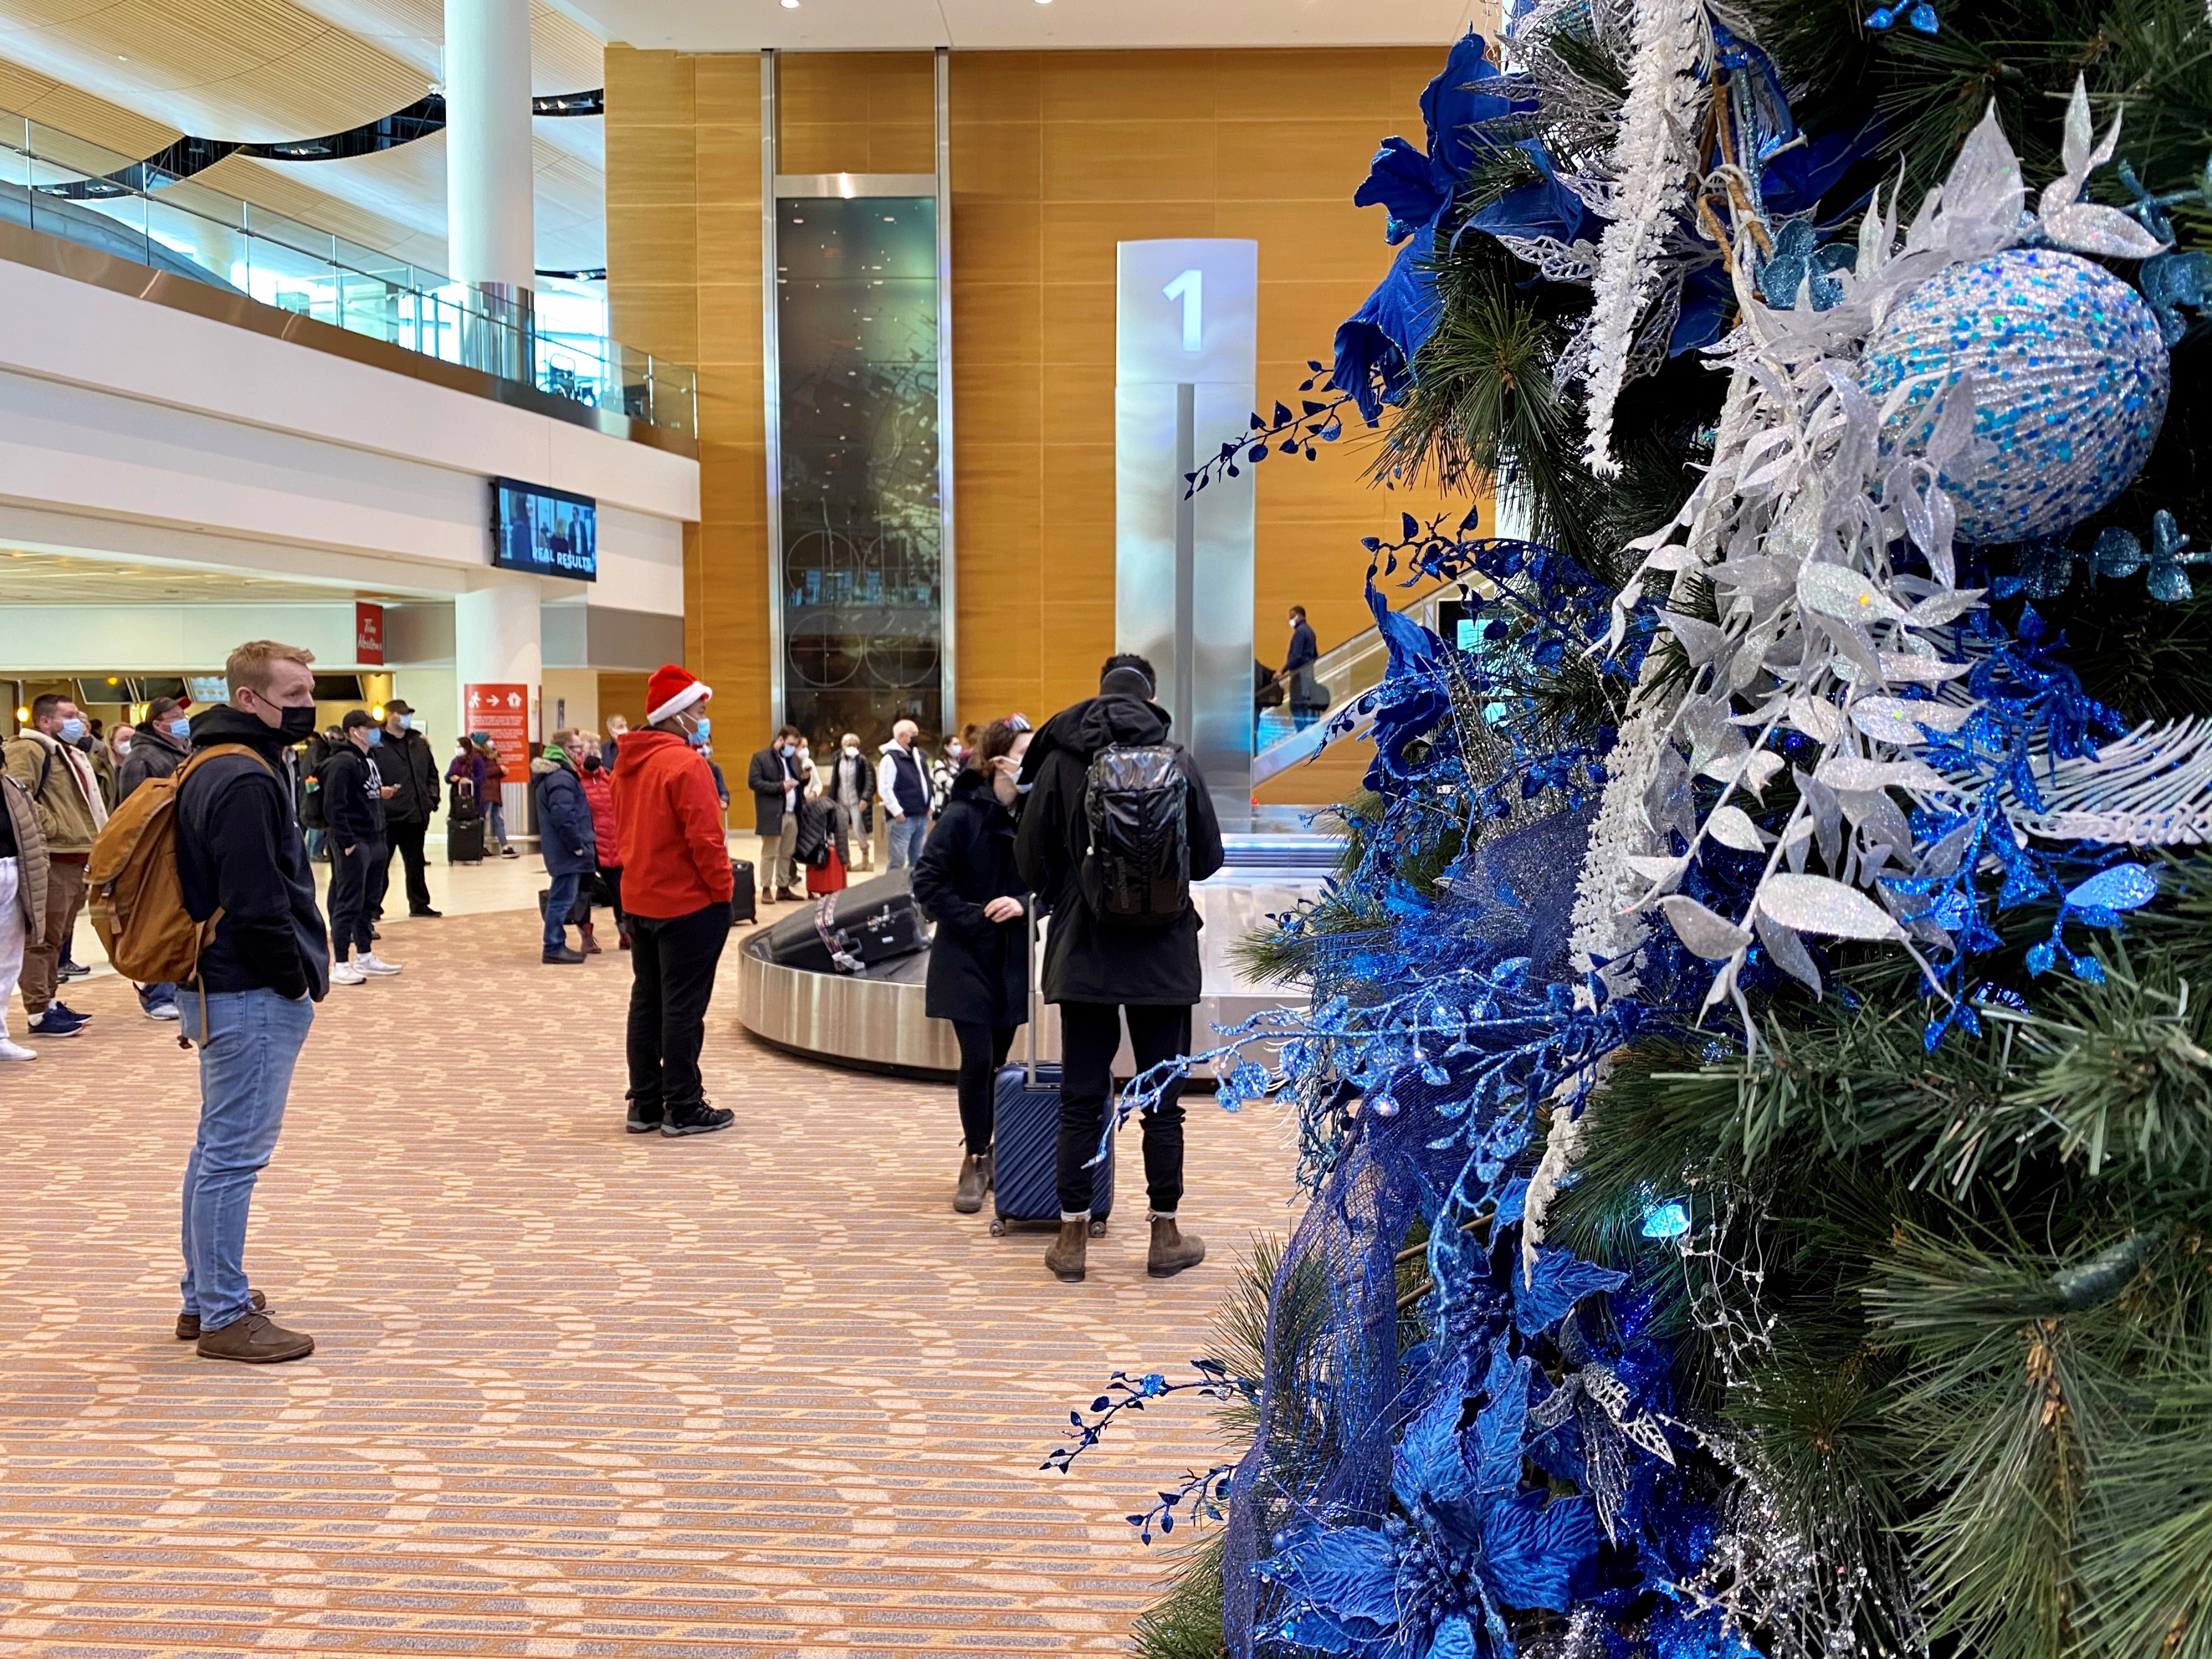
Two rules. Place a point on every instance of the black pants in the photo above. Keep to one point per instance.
(356, 890)
(673, 964)
(406, 840)
(612, 874)
(982, 1051)
(1089, 1032)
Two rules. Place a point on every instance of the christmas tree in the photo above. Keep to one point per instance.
(1756, 1095)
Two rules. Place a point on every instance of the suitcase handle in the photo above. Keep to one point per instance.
(1029, 926)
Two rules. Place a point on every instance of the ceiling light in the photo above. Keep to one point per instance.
(791, 5)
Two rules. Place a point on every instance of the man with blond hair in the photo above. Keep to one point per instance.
(243, 865)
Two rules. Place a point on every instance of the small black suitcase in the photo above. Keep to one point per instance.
(845, 931)
(1025, 1140)
(464, 841)
(741, 893)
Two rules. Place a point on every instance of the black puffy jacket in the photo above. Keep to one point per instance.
(1086, 960)
(979, 969)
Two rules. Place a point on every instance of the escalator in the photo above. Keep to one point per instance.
(1284, 754)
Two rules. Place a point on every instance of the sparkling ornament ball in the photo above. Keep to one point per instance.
(2069, 377)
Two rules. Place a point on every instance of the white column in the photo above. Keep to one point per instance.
(490, 237)
(495, 645)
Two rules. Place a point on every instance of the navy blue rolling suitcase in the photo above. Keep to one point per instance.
(1025, 1143)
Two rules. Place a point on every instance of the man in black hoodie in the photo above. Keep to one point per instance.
(402, 759)
(262, 967)
(1097, 970)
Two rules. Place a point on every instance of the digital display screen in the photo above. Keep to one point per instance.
(547, 532)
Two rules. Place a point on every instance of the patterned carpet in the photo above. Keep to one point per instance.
(577, 1392)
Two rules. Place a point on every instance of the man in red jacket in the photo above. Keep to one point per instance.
(676, 891)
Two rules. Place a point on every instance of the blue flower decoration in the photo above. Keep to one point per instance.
(1796, 257)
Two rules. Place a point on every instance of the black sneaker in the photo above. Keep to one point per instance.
(700, 1120)
(563, 957)
(643, 1120)
(426, 914)
(66, 969)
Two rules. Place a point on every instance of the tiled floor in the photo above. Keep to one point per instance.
(759, 1392)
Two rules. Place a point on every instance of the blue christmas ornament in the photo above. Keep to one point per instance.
(2069, 373)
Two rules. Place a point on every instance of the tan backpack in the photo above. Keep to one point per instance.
(134, 892)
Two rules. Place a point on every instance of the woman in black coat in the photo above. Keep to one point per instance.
(979, 961)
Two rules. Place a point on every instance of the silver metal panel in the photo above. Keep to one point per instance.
(947, 564)
(772, 386)
(851, 186)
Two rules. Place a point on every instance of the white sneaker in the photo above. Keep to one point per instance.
(373, 963)
(15, 1051)
(344, 973)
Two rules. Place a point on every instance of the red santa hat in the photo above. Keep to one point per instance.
(671, 691)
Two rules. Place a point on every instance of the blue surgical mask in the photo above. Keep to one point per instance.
(407, 722)
(376, 736)
(698, 740)
(72, 730)
(180, 728)
(706, 725)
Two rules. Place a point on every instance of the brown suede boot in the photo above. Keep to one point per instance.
(975, 1181)
(1173, 1249)
(591, 946)
(1065, 1258)
(255, 1339)
(188, 1325)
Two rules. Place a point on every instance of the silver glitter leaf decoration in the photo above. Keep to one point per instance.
(1899, 720)
(1788, 951)
(2091, 228)
(1815, 904)
(1703, 933)
(1838, 591)
(1731, 826)
(1848, 774)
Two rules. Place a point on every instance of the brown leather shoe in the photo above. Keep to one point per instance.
(591, 946)
(975, 1181)
(256, 1340)
(188, 1325)
(1065, 1258)
(1173, 1249)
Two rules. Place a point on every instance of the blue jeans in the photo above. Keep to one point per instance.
(560, 899)
(495, 815)
(246, 1072)
(907, 835)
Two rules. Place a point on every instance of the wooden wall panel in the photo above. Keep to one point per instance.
(1055, 158)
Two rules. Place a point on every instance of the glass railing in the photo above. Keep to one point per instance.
(64, 187)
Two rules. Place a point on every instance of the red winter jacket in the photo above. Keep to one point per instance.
(675, 859)
(599, 796)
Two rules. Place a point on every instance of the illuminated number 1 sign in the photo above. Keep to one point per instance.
(1190, 288)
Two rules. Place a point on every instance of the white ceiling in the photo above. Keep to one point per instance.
(38, 578)
(1014, 25)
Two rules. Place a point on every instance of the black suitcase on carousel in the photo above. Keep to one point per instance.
(1026, 1142)
(843, 933)
(741, 893)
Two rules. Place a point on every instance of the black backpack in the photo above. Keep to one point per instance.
(1136, 872)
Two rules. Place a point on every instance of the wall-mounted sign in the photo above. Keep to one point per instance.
(368, 633)
(501, 713)
(1186, 343)
(547, 532)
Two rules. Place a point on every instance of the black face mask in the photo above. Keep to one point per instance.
(591, 763)
(298, 724)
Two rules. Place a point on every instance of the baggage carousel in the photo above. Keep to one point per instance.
(872, 1019)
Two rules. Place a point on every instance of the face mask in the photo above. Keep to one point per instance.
(296, 725)
(180, 729)
(72, 730)
(407, 722)
(852, 748)
(123, 748)
(376, 736)
(591, 763)
(706, 725)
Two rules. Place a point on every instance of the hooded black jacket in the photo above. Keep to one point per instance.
(979, 969)
(1086, 960)
(353, 795)
(407, 762)
(238, 849)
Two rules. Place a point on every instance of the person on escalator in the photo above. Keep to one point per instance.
(1124, 935)
(1309, 699)
(968, 882)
